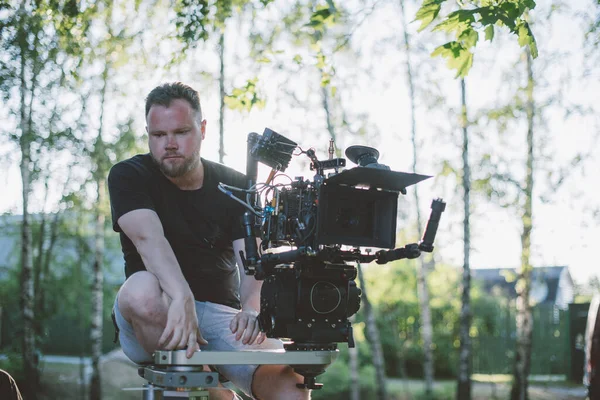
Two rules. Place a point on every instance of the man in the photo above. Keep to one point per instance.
(181, 239)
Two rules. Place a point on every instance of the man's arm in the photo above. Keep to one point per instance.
(144, 229)
(245, 323)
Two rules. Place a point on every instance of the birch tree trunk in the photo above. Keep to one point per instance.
(463, 390)
(524, 318)
(97, 295)
(96, 327)
(422, 288)
(401, 358)
(30, 362)
(375, 342)
(354, 374)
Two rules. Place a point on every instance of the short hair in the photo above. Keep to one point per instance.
(167, 92)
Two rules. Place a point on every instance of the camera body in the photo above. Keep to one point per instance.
(308, 292)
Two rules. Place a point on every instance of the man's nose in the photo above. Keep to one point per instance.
(171, 142)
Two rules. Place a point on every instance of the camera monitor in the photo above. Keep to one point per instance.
(358, 207)
(357, 217)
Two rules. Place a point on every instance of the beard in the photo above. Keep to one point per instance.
(178, 169)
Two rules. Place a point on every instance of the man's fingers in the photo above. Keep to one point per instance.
(251, 332)
(165, 336)
(200, 339)
(242, 324)
(261, 337)
(192, 348)
(185, 340)
(172, 345)
(233, 325)
(255, 333)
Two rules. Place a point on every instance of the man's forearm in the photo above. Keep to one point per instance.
(159, 259)
(250, 293)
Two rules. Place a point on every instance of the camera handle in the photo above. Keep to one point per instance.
(414, 250)
(437, 208)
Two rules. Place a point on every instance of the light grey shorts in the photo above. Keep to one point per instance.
(213, 320)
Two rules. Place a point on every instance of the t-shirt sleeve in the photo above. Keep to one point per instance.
(128, 191)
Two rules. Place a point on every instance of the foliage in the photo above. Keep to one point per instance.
(246, 97)
(466, 24)
(398, 320)
(65, 318)
(13, 364)
(336, 380)
(197, 19)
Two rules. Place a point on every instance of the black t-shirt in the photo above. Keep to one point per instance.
(200, 225)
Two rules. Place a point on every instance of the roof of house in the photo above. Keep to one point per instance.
(504, 279)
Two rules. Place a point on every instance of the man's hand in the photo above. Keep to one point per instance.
(245, 326)
(182, 327)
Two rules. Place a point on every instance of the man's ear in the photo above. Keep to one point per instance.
(203, 128)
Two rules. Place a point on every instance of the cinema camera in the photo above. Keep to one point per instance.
(309, 291)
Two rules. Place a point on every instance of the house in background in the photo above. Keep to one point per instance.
(549, 285)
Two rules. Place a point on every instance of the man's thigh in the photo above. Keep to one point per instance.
(215, 329)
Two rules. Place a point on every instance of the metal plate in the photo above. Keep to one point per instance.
(178, 357)
(178, 379)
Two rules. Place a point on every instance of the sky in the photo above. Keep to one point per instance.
(566, 226)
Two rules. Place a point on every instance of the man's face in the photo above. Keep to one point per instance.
(175, 134)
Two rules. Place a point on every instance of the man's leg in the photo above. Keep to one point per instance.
(263, 382)
(142, 304)
(274, 382)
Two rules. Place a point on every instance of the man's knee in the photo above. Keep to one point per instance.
(141, 297)
(278, 382)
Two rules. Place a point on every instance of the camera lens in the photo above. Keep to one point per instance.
(325, 297)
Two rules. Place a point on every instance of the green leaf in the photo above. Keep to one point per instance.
(321, 17)
(489, 32)
(321, 61)
(528, 4)
(526, 38)
(428, 12)
(457, 56)
(245, 98)
(298, 59)
(457, 21)
(488, 15)
(469, 38)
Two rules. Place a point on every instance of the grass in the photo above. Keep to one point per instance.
(489, 387)
(62, 381)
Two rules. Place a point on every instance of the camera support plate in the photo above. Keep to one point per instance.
(172, 370)
(287, 357)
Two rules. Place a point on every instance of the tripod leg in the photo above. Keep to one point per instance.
(150, 393)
